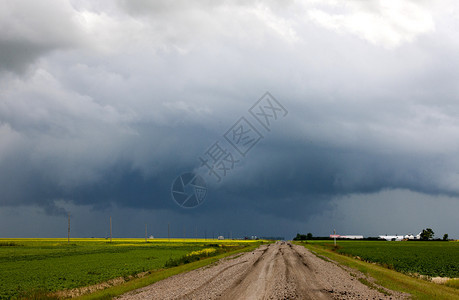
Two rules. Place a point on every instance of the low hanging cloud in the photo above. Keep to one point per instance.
(106, 103)
(30, 30)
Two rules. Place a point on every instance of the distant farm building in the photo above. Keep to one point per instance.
(400, 237)
(349, 237)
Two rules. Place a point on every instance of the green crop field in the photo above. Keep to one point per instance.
(425, 258)
(48, 265)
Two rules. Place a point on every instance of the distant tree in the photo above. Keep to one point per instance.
(427, 234)
(445, 237)
(302, 237)
(299, 237)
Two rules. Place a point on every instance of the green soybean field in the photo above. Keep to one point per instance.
(435, 259)
(48, 265)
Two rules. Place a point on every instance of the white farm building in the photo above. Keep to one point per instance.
(400, 237)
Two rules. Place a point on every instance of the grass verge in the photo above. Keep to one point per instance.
(390, 279)
(454, 283)
(158, 275)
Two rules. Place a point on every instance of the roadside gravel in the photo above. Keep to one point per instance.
(275, 271)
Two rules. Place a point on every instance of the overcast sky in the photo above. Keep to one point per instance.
(104, 103)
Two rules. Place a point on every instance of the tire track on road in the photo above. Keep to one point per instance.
(275, 271)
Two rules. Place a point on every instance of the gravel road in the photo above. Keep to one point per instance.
(275, 271)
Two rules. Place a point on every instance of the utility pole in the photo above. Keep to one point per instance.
(196, 232)
(334, 236)
(184, 232)
(68, 231)
(168, 231)
(110, 229)
(145, 232)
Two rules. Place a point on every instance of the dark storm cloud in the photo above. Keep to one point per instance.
(30, 29)
(120, 98)
(17, 55)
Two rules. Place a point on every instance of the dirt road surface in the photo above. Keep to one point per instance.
(275, 271)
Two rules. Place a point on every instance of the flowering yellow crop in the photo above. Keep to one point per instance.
(205, 251)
